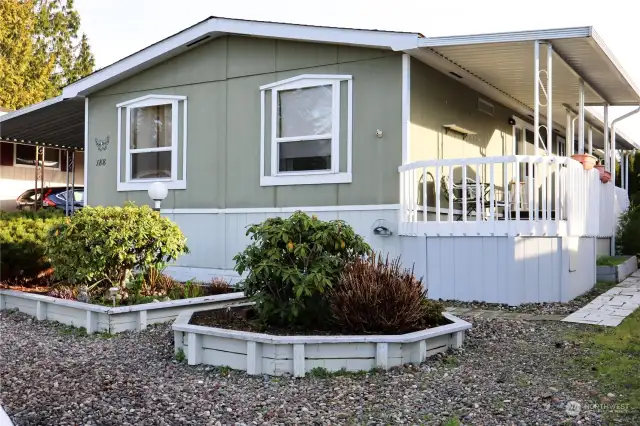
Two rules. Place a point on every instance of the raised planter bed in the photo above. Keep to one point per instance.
(97, 318)
(617, 273)
(258, 353)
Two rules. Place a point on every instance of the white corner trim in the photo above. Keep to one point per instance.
(248, 210)
(349, 125)
(86, 152)
(142, 99)
(310, 179)
(406, 107)
(144, 186)
(301, 77)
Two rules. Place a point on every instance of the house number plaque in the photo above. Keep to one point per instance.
(102, 145)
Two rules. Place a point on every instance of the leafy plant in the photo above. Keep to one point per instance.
(293, 262)
(106, 243)
(375, 295)
(180, 356)
(628, 233)
(22, 242)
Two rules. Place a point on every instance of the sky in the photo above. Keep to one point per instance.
(117, 28)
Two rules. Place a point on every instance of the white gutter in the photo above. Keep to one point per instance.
(613, 165)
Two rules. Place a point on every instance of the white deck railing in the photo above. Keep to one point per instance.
(509, 195)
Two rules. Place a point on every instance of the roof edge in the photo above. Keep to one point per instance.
(595, 37)
(178, 43)
(507, 37)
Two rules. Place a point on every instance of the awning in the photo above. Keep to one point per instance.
(56, 122)
(501, 66)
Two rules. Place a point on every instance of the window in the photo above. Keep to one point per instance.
(306, 119)
(151, 142)
(25, 155)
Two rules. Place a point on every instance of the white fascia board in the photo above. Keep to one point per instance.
(144, 98)
(306, 77)
(508, 37)
(597, 40)
(221, 26)
(31, 108)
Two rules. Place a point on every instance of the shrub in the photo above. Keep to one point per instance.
(378, 296)
(292, 262)
(628, 233)
(106, 243)
(22, 242)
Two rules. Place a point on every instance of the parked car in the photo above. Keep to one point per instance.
(54, 198)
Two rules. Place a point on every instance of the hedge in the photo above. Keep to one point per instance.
(22, 242)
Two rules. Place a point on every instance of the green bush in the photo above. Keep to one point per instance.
(22, 242)
(376, 295)
(628, 234)
(106, 243)
(292, 262)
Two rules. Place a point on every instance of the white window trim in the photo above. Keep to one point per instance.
(30, 166)
(313, 177)
(143, 184)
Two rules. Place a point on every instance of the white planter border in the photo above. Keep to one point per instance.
(97, 318)
(259, 353)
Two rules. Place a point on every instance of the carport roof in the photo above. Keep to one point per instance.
(56, 122)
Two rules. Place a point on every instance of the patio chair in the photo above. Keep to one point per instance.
(458, 198)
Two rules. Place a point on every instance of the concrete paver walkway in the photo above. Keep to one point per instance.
(611, 307)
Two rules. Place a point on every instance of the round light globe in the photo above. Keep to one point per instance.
(158, 191)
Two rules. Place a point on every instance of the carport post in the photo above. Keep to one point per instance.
(66, 201)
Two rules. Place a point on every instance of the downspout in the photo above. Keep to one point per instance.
(613, 167)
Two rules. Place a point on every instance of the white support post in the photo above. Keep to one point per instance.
(178, 342)
(581, 116)
(590, 138)
(142, 320)
(194, 348)
(91, 322)
(254, 358)
(298, 360)
(550, 98)
(606, 137)
(456, 339)
(382, 356)
(2, 302)
(536, 95)
(568, 143)
(41, 310)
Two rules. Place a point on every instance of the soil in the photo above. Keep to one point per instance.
(246, 319)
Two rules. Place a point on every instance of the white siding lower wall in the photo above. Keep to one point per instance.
(509, 270)
(215, 238)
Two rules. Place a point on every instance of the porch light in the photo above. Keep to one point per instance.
(157, 192)
(113, 292)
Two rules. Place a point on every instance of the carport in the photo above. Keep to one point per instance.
(55, 123)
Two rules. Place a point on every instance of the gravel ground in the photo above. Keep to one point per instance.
(551, 308)
(510, 372)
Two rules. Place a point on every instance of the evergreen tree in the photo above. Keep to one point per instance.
(40, 50)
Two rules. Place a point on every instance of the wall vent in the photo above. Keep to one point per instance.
(485, 106)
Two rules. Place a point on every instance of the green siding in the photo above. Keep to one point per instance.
(436, 100)
(221, 81)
